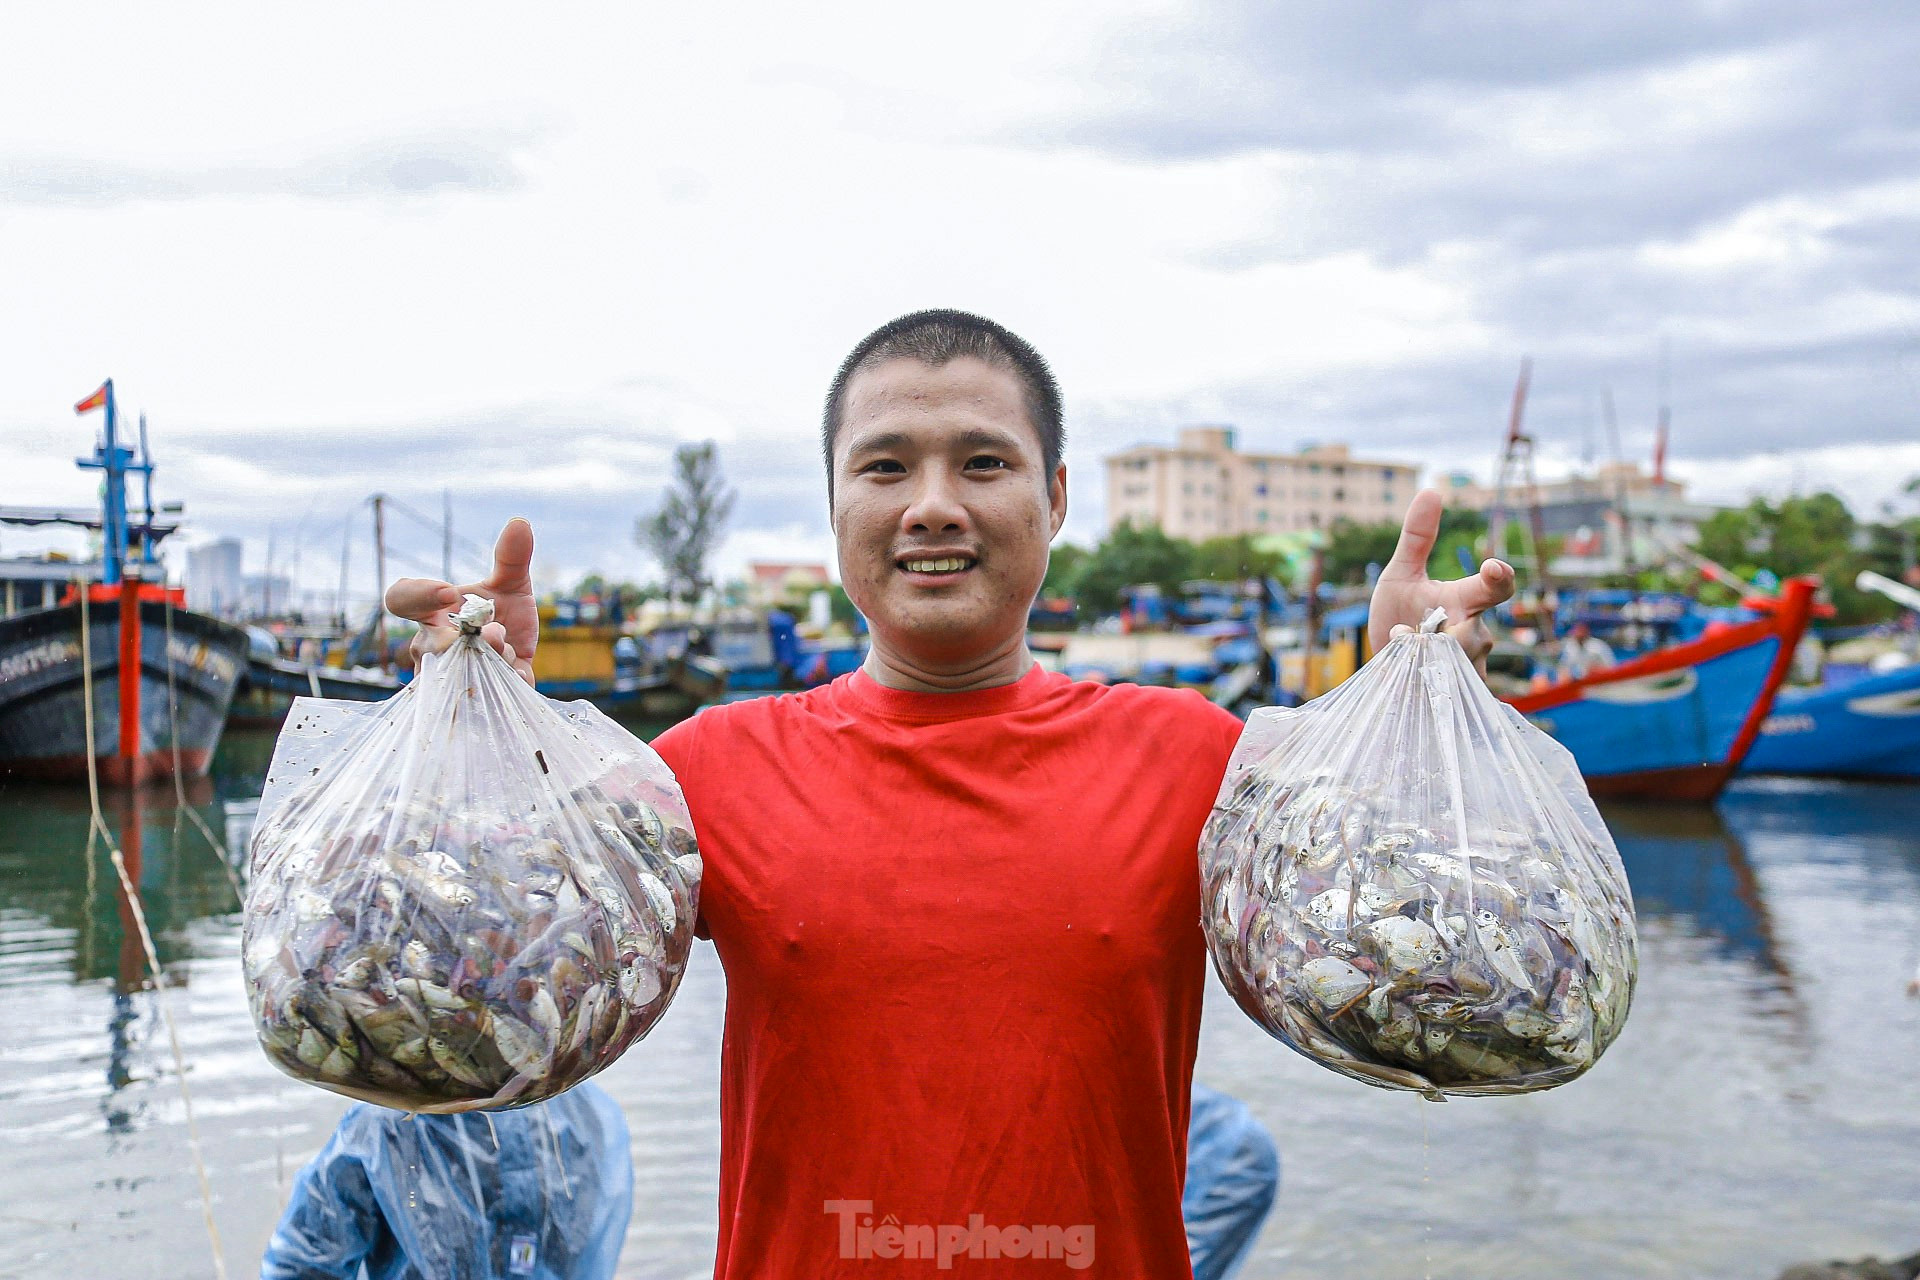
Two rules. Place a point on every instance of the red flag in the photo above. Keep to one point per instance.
(98, 400)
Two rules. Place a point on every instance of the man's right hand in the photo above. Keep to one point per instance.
(515, 629)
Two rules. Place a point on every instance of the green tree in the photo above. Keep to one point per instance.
(686, 529)
(1810, 535)
(840, 606)
(1460, 530)
(1235, 559)
(1351, 547)
(1131, 555)
(1063, 569)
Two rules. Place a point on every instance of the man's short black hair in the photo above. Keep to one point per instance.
(934, 338)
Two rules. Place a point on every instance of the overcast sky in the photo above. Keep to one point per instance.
(521, 254)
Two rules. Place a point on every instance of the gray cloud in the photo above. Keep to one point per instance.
(514, 461)
(475, 161)
(1557, 165)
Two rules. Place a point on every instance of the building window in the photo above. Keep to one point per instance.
(1339, 495)
(1260, 490)
(1262, 516)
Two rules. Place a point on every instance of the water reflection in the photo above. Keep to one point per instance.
(67, 918)
(1685, 861)
(53, 872)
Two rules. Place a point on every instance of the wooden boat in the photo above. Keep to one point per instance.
(162, 676)
(268, 687)
(1865, 728)
(1675, 723)
(42, 679)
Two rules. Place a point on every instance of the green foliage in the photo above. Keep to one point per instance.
(1811, 535)
(1063, 567)
(1235, 559)
(840, 607)
(1131, 556)
(1352, 547)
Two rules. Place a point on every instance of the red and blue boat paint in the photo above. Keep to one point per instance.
(1863, 728)
(1676, 723)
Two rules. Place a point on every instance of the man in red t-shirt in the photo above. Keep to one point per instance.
(956, 896)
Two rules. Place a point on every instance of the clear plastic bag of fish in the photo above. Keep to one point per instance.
(468, 896)
(1406, 882)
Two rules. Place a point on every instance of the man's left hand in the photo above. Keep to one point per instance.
(1405, 595)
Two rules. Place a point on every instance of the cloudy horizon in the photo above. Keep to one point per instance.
(522, 257)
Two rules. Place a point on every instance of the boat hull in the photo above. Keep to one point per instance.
(1868, 728)
(43, 720)
(267, 689)
(1676, 723)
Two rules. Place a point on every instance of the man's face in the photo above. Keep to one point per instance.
(942, 508)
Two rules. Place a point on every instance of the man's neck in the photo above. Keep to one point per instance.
(895, 670)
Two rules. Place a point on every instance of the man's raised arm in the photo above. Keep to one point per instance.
(515, 630)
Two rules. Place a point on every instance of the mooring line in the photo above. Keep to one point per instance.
(99, 823)
(180, 788)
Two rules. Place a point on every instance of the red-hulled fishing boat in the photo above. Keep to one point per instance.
(1675, 724)
(161, 676)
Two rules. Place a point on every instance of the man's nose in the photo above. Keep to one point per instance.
(936, 506)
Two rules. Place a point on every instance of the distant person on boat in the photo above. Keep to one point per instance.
(1582, 653)
(1233, 1175)
(955, 894)
(543, 1192)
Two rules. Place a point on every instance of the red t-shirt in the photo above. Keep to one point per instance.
(964, 963)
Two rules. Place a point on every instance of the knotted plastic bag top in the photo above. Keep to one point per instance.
(1408, 883)
(466, 896)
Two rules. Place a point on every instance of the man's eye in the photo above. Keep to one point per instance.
(884, 466)
(985, 462)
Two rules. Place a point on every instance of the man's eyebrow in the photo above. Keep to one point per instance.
(900, 441)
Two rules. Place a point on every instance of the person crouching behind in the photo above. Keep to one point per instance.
(542, 1192)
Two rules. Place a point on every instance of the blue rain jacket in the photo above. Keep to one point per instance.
(1233, 1175)
(543, 1194)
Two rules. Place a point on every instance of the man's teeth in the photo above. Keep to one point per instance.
(936, 566)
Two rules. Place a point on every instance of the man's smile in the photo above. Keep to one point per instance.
(937, 565)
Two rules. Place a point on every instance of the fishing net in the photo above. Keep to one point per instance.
(1408, 883)
(466, 896)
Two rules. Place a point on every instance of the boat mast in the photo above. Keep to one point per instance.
(1619, 486)
(116, 460)
(147, 539)
(1516, 467)
(380, 578)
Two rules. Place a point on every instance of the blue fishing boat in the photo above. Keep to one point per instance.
(1676, 722)
(1864, 728)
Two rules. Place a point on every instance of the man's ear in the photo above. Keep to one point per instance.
(1057, 500)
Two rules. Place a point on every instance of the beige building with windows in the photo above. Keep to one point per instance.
(1203, 488)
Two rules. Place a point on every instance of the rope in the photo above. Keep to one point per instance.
(179, 787)
(99, 824)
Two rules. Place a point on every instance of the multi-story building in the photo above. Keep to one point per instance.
(1203, 488)
(1606, 522)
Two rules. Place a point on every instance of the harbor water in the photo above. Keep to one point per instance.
(1761, 1107)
